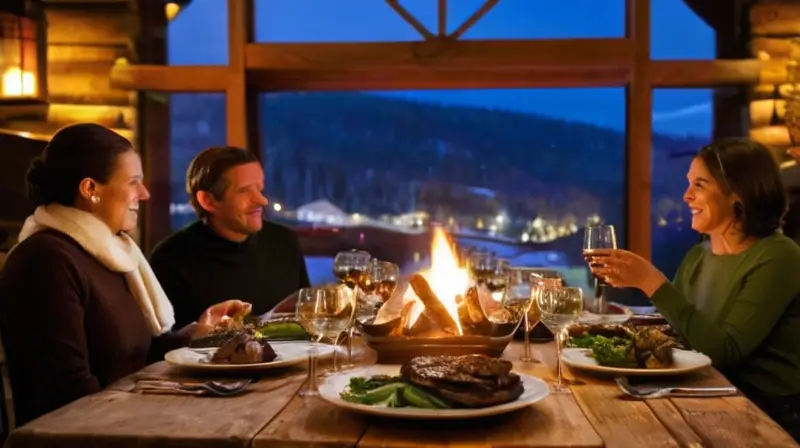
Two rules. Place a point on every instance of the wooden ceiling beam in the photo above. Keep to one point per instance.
(450, 54)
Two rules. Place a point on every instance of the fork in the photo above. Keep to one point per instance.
(218, 388)
(647, 392)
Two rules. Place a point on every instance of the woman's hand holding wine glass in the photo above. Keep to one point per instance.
(596, 239)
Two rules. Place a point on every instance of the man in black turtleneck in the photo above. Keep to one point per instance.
(230, 252)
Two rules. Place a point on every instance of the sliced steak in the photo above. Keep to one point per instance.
(469, 381)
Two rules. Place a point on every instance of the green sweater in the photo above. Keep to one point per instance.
(742, 311)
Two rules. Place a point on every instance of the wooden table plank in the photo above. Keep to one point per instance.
(119, 418)
(554, 422)
(620, 422)
(731, 422)
(307, 422)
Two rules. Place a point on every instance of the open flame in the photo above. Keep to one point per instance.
(445, 277)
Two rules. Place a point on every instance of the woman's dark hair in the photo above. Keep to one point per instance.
(207, 172)
(74, 153)
(749, 169)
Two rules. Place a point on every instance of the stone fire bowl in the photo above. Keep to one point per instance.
(400, 349)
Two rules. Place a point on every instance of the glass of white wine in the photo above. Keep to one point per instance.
(560, 307)
(325, 312)
(518, 299)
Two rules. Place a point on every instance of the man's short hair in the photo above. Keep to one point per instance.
(207, 172)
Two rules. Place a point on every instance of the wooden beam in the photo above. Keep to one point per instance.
(454, 55)
(241, 110)
(154, 127)
(334, 80)
(639, 115)
(664, 74)
(410, 19)
(176, 78)
(473, 19)
(711, 73)
(442, 16)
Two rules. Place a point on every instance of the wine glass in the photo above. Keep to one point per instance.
(560, 307)
(598, 237)
(481, 265)
(385, 274)
(518, 299)
(325, 312)
(380, 281)
(351, 268)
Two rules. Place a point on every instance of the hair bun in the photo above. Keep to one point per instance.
(38, 183)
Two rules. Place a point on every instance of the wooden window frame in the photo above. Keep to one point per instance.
(442, 62)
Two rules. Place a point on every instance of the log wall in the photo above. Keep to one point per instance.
(84, 39)
(775, 100)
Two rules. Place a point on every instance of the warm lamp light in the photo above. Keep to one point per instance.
(22, 63)
(18, 83)
(171, 10)
(174, 7)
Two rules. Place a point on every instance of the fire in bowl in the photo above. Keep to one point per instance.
(435, 312)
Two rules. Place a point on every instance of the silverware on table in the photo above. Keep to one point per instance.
(218, 388)
(647, 392)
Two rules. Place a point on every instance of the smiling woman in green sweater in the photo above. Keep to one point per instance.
(736, 296)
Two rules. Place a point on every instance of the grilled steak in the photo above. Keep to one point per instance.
(244, 349)
(472, 381)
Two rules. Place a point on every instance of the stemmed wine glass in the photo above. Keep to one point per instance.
(560, 308)
(379, 284)
(519, 299)
(324, 312)
(594, 238)
(491, 272)
(351, 268)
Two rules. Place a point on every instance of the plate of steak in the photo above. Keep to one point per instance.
(437, 387)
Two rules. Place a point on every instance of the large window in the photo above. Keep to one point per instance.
(518, 173)
(375, 21)
(198, 122)
(682, 123)
(198, 35)
(678, 33)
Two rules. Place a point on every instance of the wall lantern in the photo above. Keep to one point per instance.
(174, 7)
(22, 52)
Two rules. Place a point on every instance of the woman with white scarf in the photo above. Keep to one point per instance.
(79, 305)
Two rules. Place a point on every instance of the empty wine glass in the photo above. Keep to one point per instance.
(519, 298)
(560, 307)
(325, 312)
(594, 238)
(351, 268)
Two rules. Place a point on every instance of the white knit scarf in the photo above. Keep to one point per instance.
(119, 253)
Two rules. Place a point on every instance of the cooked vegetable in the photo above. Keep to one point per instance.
(646, 348)
(390, 391)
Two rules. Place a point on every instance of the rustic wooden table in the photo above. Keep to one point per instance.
(272, 415)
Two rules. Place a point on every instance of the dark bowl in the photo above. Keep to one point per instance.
(401, 349)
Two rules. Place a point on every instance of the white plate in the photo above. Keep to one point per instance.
(535, 390)
(289, 353)
(685, 362)
(607, 319)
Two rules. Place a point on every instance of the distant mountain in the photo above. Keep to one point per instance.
(372, 154)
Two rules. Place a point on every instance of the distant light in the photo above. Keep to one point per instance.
(277, 207)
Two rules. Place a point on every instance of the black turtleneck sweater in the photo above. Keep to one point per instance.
(198, 268)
